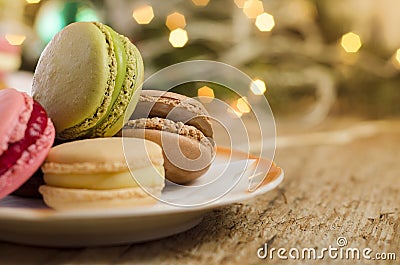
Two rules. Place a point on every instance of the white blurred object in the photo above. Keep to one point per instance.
(10, 56)
(21, 80)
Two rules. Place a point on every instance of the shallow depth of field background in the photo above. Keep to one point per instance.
(312, 60)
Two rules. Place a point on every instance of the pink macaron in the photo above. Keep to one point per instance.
(26, 136)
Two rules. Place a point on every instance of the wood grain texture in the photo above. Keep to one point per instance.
(350, 189)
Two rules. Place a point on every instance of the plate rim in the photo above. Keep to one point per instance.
(45, 214)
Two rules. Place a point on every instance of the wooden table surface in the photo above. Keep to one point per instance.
(342, 181)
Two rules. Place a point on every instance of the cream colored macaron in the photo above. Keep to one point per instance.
(103, 173)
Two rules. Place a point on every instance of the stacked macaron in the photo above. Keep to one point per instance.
(26, 135)
(88, 78)
(181, 126)
(97, 173)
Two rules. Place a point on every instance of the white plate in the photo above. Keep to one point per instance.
(29, 221)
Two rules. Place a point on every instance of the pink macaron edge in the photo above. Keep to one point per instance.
(15, 111)
(28, 163)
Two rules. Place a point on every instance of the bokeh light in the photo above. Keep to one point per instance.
(205, 94)
(242, 105)
(351, 42)
(178, 38)
(395, 59)
(253, 8)
(175, 20)
(33, 1)
(143, 14)
(200, 2)
(52, 16)
(398, 55)
(258, 87)
(265, 22)
(15, 39)
(86, 14)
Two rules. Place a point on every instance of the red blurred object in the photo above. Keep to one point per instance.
(10, 59)
(6, 47)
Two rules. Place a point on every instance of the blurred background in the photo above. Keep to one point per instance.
(311, 59)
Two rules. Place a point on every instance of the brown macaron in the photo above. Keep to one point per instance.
(175, 107)
(181, 126)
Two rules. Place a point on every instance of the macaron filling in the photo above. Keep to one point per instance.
(168, 126)
(36, 126)
(150, 176)
(120, 55)
(129, 93)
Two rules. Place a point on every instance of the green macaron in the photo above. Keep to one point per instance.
(88, 78)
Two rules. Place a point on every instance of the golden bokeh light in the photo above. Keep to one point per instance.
(178, 38)
(15, 39)
(395, 59)
(33, 1)
(205, 94)
(258, 87)
(240, 3)
(351, 42)
(175, 20)
(200, 2)
(253, 8)
(265, 22)
(143, 14)
(398, 55)
(242, 105)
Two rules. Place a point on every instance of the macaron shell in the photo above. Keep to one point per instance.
(175, 113)
(28, 163)
(176, 107)
(102, 155)
(83, 199)
(75, 93)
(175, 96)
(190, 160)
(15, 111)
